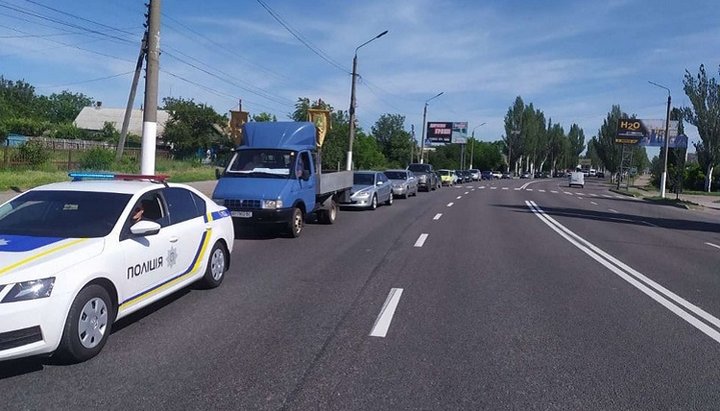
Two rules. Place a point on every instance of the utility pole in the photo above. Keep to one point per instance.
(412, 145)
(131, 99)
(663, 178)
(422, 143)
(472, 144)
(149, 137)
(348, 165)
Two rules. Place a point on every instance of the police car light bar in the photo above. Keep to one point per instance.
(78, 176)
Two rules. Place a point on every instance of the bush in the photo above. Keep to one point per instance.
(68, 131)
(33, 153)
(97, 159)
(26, 126)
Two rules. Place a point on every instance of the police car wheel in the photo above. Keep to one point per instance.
(215, 271)
(87, 325)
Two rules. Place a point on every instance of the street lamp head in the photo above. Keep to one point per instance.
(659, 85)
(381, 34)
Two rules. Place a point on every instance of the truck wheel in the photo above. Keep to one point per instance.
(296, 223)
(328, 216)
(87, 326)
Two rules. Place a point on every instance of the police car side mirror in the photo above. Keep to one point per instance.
(143, 228)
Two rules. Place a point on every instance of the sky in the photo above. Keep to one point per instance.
(572, 59)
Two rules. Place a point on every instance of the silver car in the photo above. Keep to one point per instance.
(370, 188)
(404, 183)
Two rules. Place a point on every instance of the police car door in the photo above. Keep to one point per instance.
(145, 256)
(187, 252)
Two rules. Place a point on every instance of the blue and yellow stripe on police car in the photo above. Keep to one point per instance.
(191, 270)
(51, 250)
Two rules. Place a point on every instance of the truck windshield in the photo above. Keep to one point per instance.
(262, 162)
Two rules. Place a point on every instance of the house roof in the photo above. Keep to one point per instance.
(94, 118)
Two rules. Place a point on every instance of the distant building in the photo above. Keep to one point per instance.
(15, 140)
(93, 119)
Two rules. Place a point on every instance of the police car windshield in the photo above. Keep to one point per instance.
(77, 214)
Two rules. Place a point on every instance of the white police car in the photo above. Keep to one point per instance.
(76, 256)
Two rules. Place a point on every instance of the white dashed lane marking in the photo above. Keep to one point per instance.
(437, 216)
(421, 240)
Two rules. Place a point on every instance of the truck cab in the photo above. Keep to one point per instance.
(273, 178)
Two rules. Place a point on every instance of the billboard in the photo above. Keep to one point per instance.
(445, 132)
(648, 133)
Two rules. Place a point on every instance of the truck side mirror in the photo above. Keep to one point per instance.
(218, 173)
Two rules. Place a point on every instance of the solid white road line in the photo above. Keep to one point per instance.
(676, 304)
(458, 197)
(450, 204)
(382, 323)
(613, 211)
(593, 203)
(421, 240)
(437, 216)
(713, 245)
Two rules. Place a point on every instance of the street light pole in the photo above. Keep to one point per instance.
(422, 142)
(348, 165)
(472, 144)
(663, 178)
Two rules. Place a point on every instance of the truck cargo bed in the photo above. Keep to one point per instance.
(334, 181)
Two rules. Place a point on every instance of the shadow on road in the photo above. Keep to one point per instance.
(622, 218)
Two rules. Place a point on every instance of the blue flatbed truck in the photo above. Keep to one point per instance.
(275, 177)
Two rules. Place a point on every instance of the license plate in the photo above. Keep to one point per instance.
(241, 214)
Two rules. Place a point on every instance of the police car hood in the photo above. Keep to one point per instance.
(25, 258)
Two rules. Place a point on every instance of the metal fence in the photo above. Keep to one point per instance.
(62, 154)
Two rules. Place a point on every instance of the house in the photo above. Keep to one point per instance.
(93, 119)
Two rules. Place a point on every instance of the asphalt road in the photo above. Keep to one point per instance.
(510, 294)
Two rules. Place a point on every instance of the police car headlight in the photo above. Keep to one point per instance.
(272, 204)
(30, 290)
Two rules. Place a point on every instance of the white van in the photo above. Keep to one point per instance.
(577, 178)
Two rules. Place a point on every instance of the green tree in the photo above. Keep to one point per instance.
(367, 154)
(604, 145)
(192, 126)
(704, 95)
(63, 107)
(264, 117)
(513, 132)
(393, 140)
(576, 140)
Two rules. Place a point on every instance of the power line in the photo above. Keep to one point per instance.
(87, 81)
(80, 18)
(300, 38)
(220, 47)
(196, 67)
(64, 23)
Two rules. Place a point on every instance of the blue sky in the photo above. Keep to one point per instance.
(571, 59)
